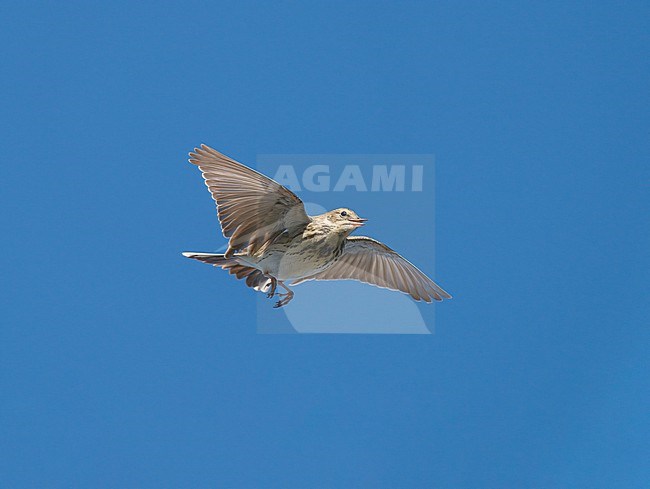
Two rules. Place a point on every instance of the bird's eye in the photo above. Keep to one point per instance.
(344, 213)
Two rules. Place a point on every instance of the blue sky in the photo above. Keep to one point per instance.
(125, 365)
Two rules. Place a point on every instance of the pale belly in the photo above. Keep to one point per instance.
(296, 260)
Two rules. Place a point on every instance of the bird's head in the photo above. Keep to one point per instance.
(345, 220)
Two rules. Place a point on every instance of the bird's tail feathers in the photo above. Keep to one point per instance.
(218, 259)
(254, 278)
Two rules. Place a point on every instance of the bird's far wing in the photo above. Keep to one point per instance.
(372, 262)
(253, 209)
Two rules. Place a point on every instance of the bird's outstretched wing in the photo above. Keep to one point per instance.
(372, 262)
(253, 209)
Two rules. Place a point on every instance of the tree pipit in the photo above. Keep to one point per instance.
(273, 242)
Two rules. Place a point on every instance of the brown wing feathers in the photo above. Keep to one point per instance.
(253, 209)
(369, 261)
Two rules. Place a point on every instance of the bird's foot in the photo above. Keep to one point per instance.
(285, 299)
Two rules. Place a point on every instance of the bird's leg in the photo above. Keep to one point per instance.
(274, 285)
(285, 297)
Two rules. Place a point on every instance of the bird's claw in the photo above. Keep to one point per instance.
(284, 301)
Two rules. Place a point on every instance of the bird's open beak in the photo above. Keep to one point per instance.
(358, 222)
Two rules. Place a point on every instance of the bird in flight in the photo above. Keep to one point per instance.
(273, 242)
